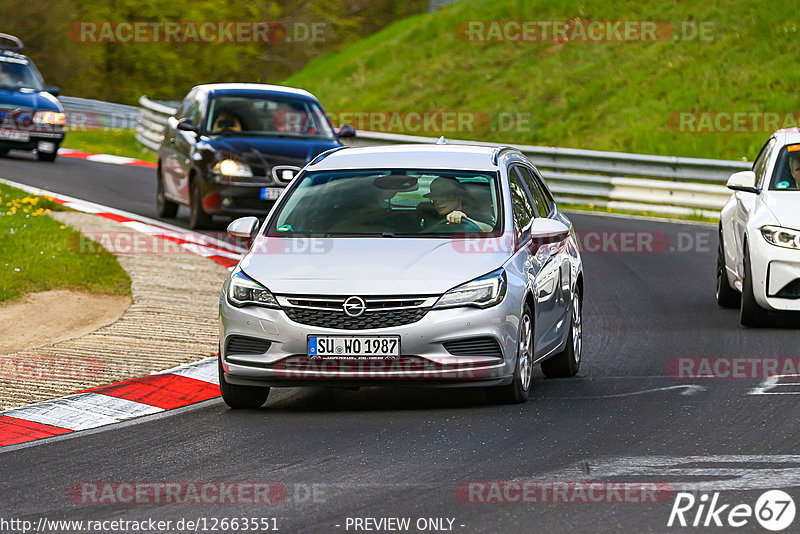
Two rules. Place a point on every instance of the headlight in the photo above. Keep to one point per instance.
(781, 237)
(244, 291)
(49, 117)
(482, 292)
(233, 169)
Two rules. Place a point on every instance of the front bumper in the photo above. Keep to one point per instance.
(33, 140)
(225, 199)
(424, 361)
(774, 268)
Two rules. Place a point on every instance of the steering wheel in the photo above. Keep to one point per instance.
(445, 227)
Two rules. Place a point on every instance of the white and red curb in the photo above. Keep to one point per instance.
(104, 158)
(105, 405)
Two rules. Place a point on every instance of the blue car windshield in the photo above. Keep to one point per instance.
(267, 116)
(390, 203)
(18, 73)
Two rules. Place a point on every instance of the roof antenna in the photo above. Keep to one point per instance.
(441, 141)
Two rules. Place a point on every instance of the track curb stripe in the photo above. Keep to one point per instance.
(158, 392)
(104, 158)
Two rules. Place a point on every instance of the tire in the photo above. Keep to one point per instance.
(751, 313)
(46, 156)
(240, 397)
(198, 218)
(727, 297)
(517, 391)
(568, 362)
(166, 209)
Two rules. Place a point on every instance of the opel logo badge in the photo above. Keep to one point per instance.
(354, 306)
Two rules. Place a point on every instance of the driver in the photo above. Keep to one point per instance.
(448, 196)
(794, 168)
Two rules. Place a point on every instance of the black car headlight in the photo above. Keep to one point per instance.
(230, 168)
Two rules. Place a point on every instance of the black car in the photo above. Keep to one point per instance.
(31, 118)
(231, 149)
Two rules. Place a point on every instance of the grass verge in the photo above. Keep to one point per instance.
(35, 252)
(116, 142)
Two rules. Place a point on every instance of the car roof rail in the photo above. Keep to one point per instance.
(325, 154)
(17, 43)
(500, 150)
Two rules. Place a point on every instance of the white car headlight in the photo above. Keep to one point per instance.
(244, 291)
(233, 169)
(482, 292)
(781, 237)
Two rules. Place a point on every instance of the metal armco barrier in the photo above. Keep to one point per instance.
(664, 185)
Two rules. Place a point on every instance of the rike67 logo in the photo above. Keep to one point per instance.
(774, 510)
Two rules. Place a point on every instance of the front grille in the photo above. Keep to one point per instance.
(252, 203)
(790, 290)
(246, 345)
(335, 319)
(380, 312)
(479, 346)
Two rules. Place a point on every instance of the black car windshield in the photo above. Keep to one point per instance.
(787, 170)
(260, 115)
(390, 203)
(19, 74)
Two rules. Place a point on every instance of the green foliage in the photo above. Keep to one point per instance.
(37, 253)
(621, 96)
(117, 142)
(122, 72)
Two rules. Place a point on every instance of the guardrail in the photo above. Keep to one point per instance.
(89, 113)
(615, 180)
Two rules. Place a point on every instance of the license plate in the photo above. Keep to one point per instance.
(353, 346)
(271, 193)
(14, 135)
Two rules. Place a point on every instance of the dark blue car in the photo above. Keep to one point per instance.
(30, 116)
(231, 149)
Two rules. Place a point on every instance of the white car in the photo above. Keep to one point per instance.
(758, 264)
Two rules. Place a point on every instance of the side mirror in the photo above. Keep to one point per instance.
(187, 126)
(243, 228)
(55, 91)
(548, 230)
(743, 181)
(345, 130)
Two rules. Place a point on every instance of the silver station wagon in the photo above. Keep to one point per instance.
(441, 265)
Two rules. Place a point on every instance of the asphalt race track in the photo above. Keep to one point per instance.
(381, 453)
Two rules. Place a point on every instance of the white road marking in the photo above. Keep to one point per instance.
(718, 472)
(686, 389)
(773, 382)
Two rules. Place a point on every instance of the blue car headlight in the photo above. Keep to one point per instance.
(482, 292)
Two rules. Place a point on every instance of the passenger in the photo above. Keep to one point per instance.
(449, 197)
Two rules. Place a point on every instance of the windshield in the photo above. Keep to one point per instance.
(18, 74)
(390, 202)
(787, 170)
(255, 115)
